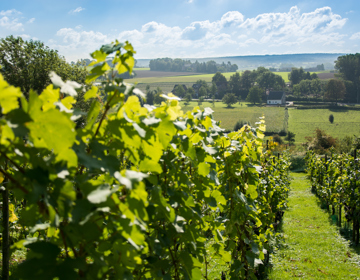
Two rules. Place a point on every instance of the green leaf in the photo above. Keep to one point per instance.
(203, 169)
(91, 93)
(93, 114)
(8, 96)
(110, 48)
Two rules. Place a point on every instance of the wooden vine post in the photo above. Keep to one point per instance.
(5, 234)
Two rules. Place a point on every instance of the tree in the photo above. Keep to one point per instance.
(254, 95)
(27, 64)
(316, 87)
(187, 99)
(157, 96)
(190, 91)
(179, 91)
(201, 100)
(296, 75)
(335, 90)
(349, 69)
(247, 80)
(235, 83)
(305, 87)
(296, 90)
(221, 83)
(213, 90)
(229, 99)
(150, 97)
(290, 137)
(202, 92)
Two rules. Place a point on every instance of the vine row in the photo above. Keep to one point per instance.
(139, 192)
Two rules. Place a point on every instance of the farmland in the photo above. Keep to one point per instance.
(274, 116)
(304, 122)
(167, 80)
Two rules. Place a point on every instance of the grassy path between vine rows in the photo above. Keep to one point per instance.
(313, 247)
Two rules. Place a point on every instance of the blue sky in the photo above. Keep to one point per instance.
(187, 28)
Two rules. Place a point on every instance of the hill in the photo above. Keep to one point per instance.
(269, 61)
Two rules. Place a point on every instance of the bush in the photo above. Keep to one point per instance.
(277, 139)
(240, 124)
(331, 118)
(321, 142)
(297, 163)
(290, 137)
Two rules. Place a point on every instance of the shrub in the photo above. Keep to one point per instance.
(297, 163)
(321, 142)
(290, 137)
(240, 124)
(277, 139)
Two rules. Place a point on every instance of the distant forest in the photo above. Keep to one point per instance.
(179, 65)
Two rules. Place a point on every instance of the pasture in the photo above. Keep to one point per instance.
(304, 122)
(274, 116)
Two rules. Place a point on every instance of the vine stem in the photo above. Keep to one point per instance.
(107, 108)
(63, 238)
(174, 263)
(8, 176)
(5, 235)
(14, 163)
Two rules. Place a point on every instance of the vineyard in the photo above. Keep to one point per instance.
(137, 192)
(335, 180)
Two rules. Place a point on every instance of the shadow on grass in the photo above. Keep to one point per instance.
(346, 231)
(340, 109)
(253, 105)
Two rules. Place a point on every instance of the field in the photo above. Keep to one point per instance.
(145, 76)
(274, 116)
(304, 122)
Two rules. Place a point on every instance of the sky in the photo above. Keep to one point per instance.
(186, 28)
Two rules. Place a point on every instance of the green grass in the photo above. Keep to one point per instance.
(313, 247)
(284, 75)
(177, 79)
(274, 116)
(142, 69)
(304, 122)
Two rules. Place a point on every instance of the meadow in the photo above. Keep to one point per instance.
(304, 122)
(274, 116)
(167, 82)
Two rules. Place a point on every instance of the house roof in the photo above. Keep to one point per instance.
(275, 95)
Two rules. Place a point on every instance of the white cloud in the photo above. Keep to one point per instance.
(31, 20)
(355, 36)
(77, 10)
(9, 20)
(233, 34)
(10, 12)
(231, 18)
(75, 44)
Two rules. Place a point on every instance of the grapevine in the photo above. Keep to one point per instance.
(139, 191)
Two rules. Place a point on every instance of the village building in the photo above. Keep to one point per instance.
(276, 98)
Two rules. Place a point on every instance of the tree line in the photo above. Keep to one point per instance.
(250, 86)
(344, 87)
(180, 65)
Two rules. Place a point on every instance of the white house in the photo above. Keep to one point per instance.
(276, 98)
